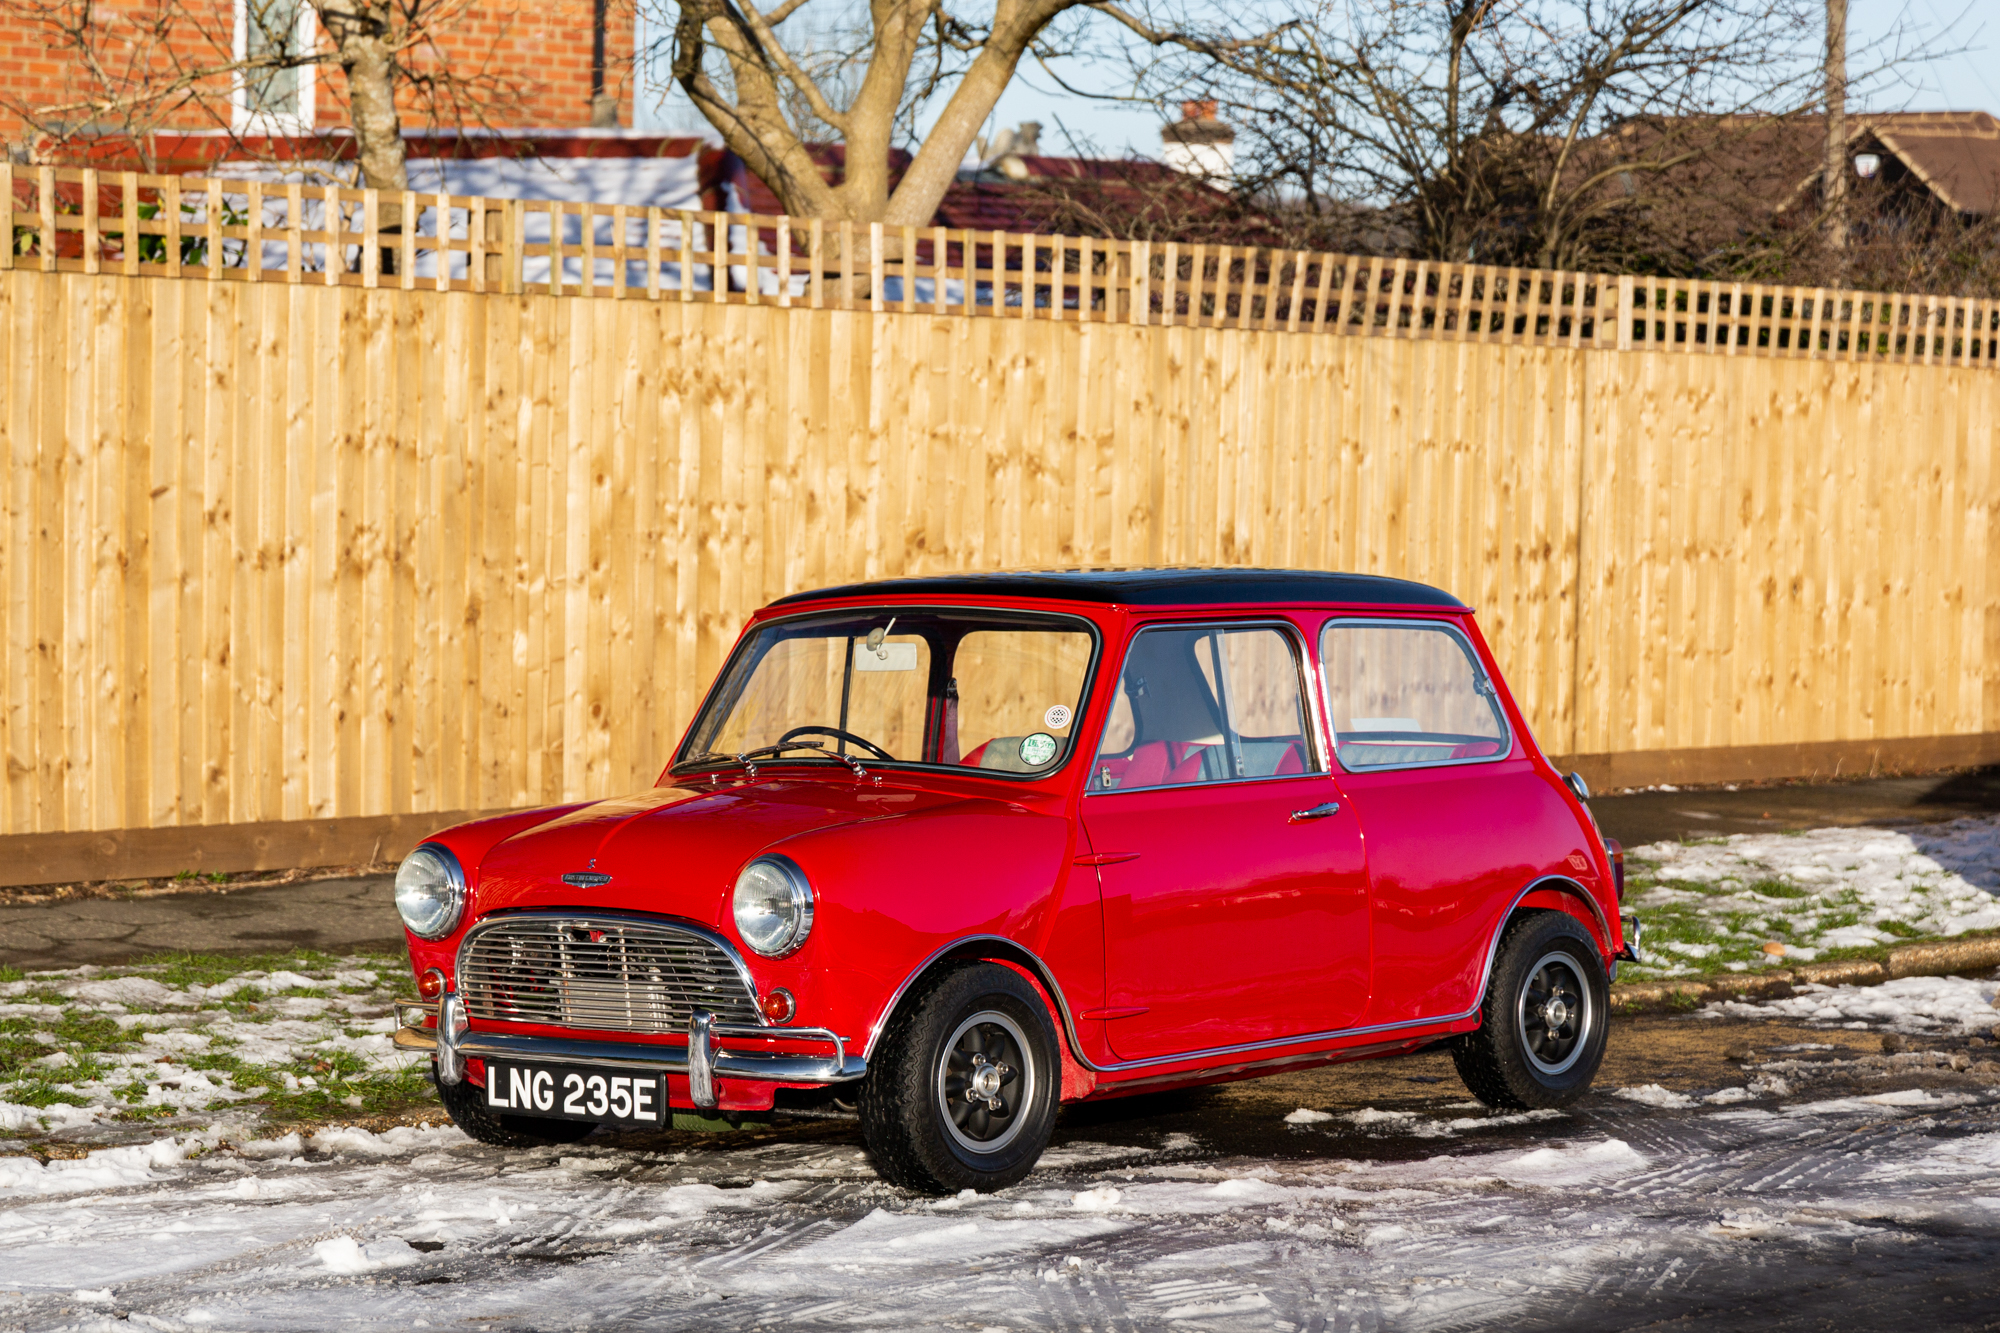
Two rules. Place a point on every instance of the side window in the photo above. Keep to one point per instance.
(1212, 704)
(1407, 693)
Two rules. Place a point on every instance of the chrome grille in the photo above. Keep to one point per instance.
(607, 973)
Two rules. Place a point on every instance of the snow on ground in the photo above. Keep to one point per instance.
(120, 1049)
(1717, 904)
(1641, 1208)
(1925, 1005)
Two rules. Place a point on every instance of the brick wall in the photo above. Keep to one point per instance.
(528, 63)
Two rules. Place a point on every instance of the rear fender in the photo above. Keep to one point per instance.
(1558, 894)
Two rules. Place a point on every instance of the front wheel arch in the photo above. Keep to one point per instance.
(1077, 1079)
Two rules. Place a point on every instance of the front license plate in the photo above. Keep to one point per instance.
(577, 1092)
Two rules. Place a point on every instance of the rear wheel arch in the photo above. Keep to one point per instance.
(1559, 893)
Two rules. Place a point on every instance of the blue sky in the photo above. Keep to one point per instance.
(1965, 76)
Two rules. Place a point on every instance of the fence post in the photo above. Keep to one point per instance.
(128, 186)
(654, 221)
(253, 245)
(510, 247)
(47, 241)
(7, 210)
(170, 214)
(784, 263)
(213, 223)
(295, 244)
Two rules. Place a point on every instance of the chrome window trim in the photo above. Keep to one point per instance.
(1310, 730)
(1047, 976)
(1076, 723)
(494, 920)
(1405, 622)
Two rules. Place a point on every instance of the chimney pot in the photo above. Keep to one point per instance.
(1203, 110)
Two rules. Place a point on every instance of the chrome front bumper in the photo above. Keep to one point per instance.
(702, 1061)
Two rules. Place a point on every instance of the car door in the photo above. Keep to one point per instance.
(1450, 804)
(1233, 878)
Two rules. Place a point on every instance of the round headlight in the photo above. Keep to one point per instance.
(430, 892)
(774, 906)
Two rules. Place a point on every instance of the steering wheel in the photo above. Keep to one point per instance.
(838, 734)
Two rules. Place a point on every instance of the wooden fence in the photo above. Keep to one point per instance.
(282, 547)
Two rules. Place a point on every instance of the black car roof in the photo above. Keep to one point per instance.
(1155, 587)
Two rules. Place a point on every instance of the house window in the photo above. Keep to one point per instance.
(267, 100)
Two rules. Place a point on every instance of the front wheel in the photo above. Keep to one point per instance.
(1542, 1028)
(962, 1091)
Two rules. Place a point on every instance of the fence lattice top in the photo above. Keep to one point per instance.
(81, 220)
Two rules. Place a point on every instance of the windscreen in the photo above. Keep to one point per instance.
(961, 688)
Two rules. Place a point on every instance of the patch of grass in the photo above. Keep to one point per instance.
(1778, 888)
(43, 1092)
(380, 1093)
(1902, 930)
(12, 974)
(82, 1034)
(185, 968)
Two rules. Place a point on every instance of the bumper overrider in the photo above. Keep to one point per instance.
(702, 1061)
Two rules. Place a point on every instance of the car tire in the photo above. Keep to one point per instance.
(465, 1103)
(935, 1117)
(1541, 1030)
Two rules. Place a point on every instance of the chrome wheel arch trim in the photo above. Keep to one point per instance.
(999, 947)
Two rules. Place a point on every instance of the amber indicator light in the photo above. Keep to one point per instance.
(779, 1006)
(431, 984)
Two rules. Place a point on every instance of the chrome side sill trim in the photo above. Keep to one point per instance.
(769, 1067)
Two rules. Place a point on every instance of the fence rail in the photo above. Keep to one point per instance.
(246, 230)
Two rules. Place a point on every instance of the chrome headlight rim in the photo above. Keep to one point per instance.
(800, 903)
(453, 876)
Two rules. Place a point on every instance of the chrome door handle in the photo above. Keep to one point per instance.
(1320, 811)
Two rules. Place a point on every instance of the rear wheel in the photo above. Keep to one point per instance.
(465, 1103)
(1542, 1029)
(962, 1091)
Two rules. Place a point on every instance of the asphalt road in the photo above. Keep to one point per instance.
(350, 914)
(1655, 816)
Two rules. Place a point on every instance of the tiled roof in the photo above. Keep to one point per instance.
(1955, 153)
(996, 202)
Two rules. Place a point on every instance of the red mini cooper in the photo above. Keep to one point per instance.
(961, 849)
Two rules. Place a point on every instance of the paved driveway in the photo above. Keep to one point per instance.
(336, 915)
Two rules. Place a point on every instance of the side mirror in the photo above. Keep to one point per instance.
(1579, 786)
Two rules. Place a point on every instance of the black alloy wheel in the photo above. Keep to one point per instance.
(1553, 1012)
(1542, 1028)
(984, 1079)
(961, 1091)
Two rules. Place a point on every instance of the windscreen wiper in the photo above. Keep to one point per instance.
(748, 758)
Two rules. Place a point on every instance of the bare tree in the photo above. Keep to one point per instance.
(1508, 131)
(167, 64)
(770, 91)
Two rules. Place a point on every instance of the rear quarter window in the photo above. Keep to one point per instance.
(1404, 694)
